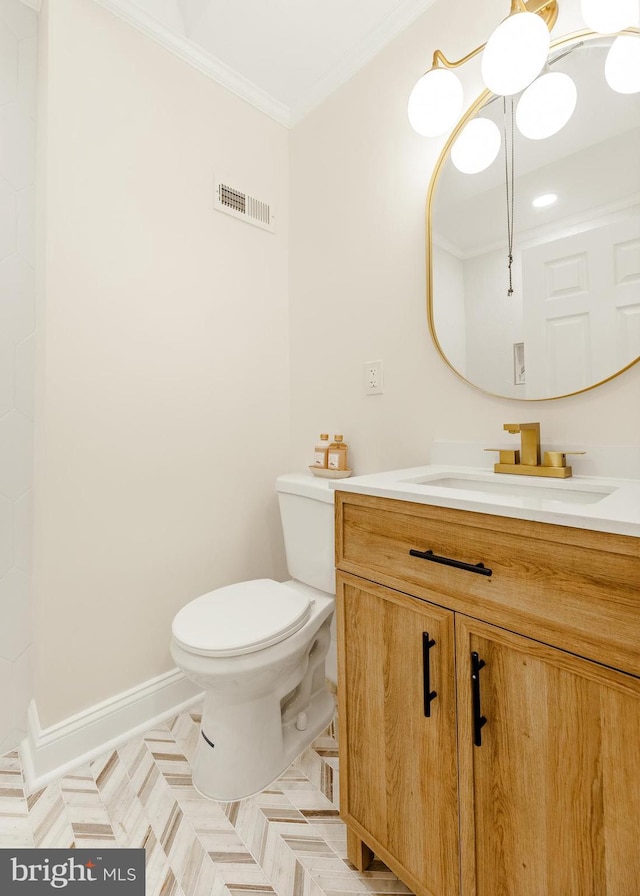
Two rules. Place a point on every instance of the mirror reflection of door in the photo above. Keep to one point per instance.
(582, 306)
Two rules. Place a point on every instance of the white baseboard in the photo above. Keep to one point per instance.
(50, 752)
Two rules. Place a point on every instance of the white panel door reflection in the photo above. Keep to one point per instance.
(582, 307)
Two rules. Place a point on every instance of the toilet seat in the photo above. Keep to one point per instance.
(240, 618)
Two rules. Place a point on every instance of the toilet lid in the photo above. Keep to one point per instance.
(240, 618)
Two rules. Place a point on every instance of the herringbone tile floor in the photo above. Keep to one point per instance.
(287, 840)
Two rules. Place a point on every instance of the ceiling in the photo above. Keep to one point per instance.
(284, 56)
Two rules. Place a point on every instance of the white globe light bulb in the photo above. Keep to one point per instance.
(608, 16)
(546, 105)
(477, 146)
(622, 67)
(515, 53)
(435, 103)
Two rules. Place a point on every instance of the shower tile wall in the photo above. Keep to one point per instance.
(18, 33)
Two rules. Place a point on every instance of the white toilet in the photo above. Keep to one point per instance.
(258, 651)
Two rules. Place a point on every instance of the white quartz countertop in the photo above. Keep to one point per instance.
(583, 502)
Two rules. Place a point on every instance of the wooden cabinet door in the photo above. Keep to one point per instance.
(398, 766)
(550, 802)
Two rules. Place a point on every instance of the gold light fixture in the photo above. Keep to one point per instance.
(512, 61)
(514, 56)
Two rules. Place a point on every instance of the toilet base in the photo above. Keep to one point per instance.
(244, 748)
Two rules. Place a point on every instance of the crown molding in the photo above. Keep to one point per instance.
(193, 54)
(218, 71)
(214, 68)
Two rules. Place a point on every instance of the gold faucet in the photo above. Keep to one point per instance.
(529, 442)
(526, 461)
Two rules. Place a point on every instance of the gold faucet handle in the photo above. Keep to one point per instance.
(557, 458)
(506, 456)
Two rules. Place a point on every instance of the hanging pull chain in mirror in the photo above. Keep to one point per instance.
(509, 169)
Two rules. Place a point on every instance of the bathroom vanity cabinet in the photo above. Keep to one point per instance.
(489, 724)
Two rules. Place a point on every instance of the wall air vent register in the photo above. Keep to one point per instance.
(242, 205)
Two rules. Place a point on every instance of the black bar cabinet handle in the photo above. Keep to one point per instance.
(210, 742)
(478, 719)
(479, 568)
(429, 695)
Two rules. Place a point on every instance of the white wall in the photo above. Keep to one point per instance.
(18, 45)
(163, 372)
(359, 178)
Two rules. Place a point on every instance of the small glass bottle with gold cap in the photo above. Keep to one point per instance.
(337, 455)
(321, 451)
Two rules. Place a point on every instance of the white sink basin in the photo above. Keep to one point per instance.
(606, 505)
(566, 491)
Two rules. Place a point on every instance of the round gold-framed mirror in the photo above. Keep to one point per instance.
(557, 312)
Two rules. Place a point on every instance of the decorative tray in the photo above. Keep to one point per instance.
(324, 473)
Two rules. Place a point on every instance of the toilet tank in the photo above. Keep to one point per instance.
(306, 510)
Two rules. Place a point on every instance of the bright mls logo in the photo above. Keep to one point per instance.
(24, 872)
